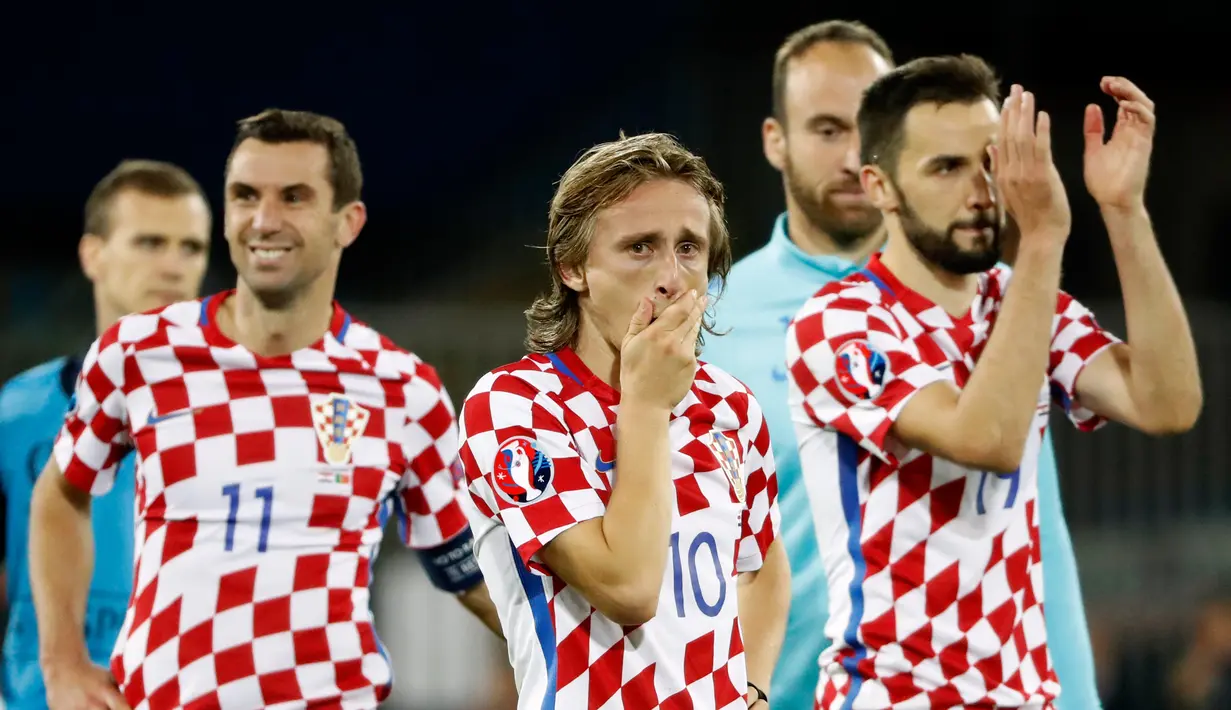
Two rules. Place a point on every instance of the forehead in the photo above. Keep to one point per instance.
(139, 212)
(961, 129)
(660, 205)
(263, 164)
(830, 77)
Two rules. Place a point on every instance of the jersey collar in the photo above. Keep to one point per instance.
(789, 254)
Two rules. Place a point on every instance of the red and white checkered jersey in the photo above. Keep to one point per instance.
(538, 447)
(262, 487)
(934, 571)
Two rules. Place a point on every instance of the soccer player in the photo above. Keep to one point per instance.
(271, 429)
(624, 493)
(920, 385)
(145, 243)
(827, 233)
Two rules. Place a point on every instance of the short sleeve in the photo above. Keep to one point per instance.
(427, 507)
(95, 435)
(523, 467)
(1077, 339)
(854, 368)
(761, 518)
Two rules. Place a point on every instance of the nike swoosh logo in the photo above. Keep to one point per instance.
(601, 465)
(156, 419)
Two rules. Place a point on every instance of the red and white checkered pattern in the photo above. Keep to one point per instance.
(253, 553)
(690, 655)
(935, 578)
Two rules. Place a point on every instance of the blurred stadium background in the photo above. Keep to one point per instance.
(465, 117)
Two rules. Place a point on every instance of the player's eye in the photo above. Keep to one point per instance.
(689, 248)
(639, 248)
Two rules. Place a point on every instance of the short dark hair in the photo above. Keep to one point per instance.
(939, 80)
(848, 31)
(281, 126)
(149, 177)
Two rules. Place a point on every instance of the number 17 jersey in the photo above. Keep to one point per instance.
(538, 446)
(262, 488)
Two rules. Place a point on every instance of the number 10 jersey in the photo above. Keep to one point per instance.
(262, 487)
(538, 447)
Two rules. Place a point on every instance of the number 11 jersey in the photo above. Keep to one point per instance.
(538, 447)
(263, 485)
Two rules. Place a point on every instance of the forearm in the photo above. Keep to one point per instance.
(61, 564)
(478, 601)
(637, 522)
(1001, 397)
(1164, 380)
(764, 601)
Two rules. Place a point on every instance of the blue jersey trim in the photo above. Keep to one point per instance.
(537, 597)
(848, 486)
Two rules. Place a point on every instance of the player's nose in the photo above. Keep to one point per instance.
(268, 217)
(982, 195)
(669, 279)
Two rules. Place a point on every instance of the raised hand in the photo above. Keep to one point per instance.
(658, 360)
(1116, 170)
(1025, 173)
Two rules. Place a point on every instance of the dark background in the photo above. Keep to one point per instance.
(466, 114)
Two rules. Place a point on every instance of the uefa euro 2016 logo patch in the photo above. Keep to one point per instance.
(522, 471)
(859, 370)
(338, 422)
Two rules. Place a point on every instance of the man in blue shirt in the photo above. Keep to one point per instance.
(145, 245)
(828, 231)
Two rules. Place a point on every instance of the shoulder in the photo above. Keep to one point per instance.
(850, 306)
(137, 330)
(29, 390)
(388, 359)
(528, 377)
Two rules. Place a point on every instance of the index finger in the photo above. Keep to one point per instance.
(1121, 88)
(677, 312)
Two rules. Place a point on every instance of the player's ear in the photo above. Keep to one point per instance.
(354, 216)
(773, 142)
(879, 188)
(574, 277)
(90, 254)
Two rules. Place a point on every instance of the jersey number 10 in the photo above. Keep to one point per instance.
(706, 540)
(266, 494)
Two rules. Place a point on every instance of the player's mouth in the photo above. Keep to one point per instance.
(269, 256)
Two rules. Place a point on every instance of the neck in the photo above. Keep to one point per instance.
(271, 332)
(105, 315)
(814, 241)
(599, 356)
(952, 292)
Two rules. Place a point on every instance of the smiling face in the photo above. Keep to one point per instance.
(281, 226)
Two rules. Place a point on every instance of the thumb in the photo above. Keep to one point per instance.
(1092, 128)
(641, 317)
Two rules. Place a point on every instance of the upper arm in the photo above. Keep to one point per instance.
(427, 507)
(524, 469)
(1088, 369)
(857, 373)
(95, 435)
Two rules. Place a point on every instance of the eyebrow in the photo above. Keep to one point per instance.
(238, 186)
(657, 235)
(823, 118)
